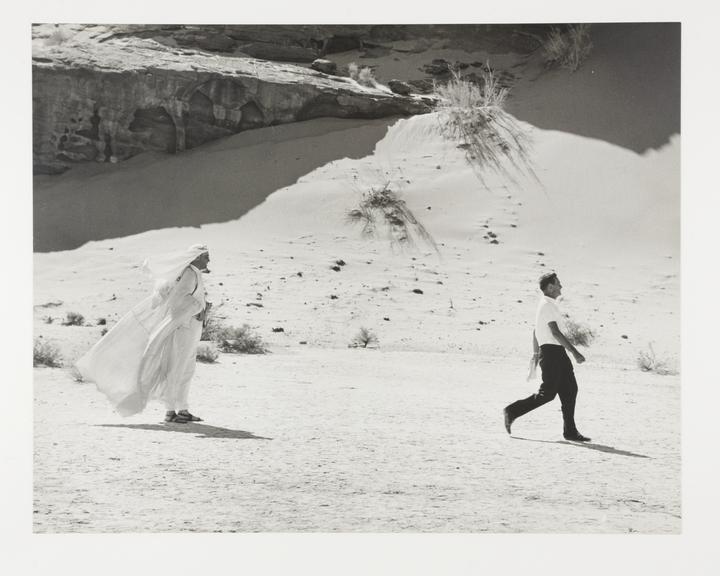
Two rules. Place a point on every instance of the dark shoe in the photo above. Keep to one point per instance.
(189, 417)
(577, 437)
(172, 417)
(508, 420)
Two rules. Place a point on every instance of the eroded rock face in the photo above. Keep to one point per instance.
(110, 100)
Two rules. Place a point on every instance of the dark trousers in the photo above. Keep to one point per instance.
(558, 379)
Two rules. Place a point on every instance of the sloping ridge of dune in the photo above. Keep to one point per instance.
(606, 218)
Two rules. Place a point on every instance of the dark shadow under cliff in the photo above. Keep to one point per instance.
(216, 182)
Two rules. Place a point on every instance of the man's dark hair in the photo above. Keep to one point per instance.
(547, 278)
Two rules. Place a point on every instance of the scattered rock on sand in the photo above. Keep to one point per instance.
(400, 87)
(324, 66)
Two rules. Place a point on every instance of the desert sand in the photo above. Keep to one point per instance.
(406, 436)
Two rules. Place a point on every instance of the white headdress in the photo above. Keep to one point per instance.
(166, 270)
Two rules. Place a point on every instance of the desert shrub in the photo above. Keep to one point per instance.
(48, 319)
(239, 340)
(101, 321)
(649, 362)
(213, 327)
(363, 339)
(206, 353)
(74, 319)
(362, 75)
(568, 48)
(46, 354)
(472, 113)
(383, 204)
(578, 334)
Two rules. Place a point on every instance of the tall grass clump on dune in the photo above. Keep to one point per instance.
(569, 48)
(382, 204)
(473, 113)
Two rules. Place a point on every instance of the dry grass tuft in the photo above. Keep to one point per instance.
(472, 113)
(46, 354)
(362, 75)
(74, 319)
(578, 334)
(232, 339)
(206, 353)
(569, 48)
(649, 362)
(382, 204)
(363, 339)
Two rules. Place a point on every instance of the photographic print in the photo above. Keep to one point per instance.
(358, 278)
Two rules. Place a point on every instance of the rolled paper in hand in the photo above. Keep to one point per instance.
(532, 369)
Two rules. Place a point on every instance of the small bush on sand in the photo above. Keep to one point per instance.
(206, 353)
(239, 340)
(383, 204)
(472, 113)
(76, 375)
(363, 339)
(568, 48)
(212, 328)
(362, 75)
(46, 354)
(578, 334)
(74, 319)
(649, 362)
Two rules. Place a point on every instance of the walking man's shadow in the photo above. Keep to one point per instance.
(201, 430)
(588, 445)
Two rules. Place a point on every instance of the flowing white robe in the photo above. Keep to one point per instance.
(150, 352)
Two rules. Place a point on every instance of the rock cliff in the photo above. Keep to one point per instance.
(103, 96)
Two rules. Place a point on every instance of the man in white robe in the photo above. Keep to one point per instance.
(150, 353)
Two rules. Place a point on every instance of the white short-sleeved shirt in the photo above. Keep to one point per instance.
(547, 311)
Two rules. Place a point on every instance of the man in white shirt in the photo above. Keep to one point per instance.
(558, 376)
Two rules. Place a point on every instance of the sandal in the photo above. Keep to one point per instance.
(189, 417)
(172, 417)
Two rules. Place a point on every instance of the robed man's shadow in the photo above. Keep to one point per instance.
(200, 430)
